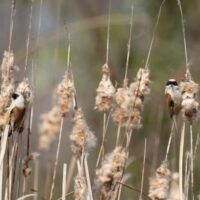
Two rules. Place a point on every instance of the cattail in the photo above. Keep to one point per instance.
(105, 91)
(24, 89)
(159, 185)
(81, 136)
(129, 101)
(110, 173)
(49, 127)
(190, 105)
(65, 92)
(174, 193)
(80, 188)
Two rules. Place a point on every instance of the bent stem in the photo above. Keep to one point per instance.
(181, 161)
(56, 161)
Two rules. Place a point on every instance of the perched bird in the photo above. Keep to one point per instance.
(15, 113)
(173, 97)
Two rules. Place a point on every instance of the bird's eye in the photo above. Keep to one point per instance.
(14, 96)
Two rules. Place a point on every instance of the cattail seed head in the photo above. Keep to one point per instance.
(105, 91)
(189, 88)
(159, 185)
(80, 188)
(111, 171)
(65, 93)
(81, 136)
(174, 193)
(49, 127)
(24, 89)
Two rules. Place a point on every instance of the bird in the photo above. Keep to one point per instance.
(15, 113)
(173, 97)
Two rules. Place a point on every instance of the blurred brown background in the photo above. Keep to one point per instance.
(87, 22)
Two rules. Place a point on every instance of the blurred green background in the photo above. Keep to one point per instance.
(87, 22)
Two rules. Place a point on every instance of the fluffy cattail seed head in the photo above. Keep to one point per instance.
(159, 185)
(105, 91)
(80, 188)
(174, 193)
(49, 127)
(81, 136)
(24, 89)
(189, 88)
(111, 171)
(65, 92)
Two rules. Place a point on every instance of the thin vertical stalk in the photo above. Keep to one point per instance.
(11, 24)
(103, 139)
(108, 32)
(153, 36)
(64, 181)
(56, 161)
(129, 45)
(142, 182)
(28, 40)
(36, 175)
(118, 136)
(181, 161)
(192, 162)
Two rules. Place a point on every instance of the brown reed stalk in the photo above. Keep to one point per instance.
(104, 137)
(36, 176)
(118, 136)
(64, 181)
(8, 170)
(143, 167)
(192, 162)
(181, 161)
(153, 36)
(12, 14)
(187, 175)
(56, 161)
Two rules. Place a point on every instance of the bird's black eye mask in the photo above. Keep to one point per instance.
(172, 83)
(14, 95)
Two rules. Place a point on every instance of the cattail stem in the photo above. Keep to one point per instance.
(11, 24)
(64, 181)
(169, 141)
(129, 45)
(8, 170)
(103, 139)
(181, 161)
(36, 176)
(192, 162)
(153, 36)
(108, 32)
(142, 182)
(56, 161)
(118, 136)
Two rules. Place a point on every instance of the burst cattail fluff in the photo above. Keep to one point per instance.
(7, 85)
(65, 92)
(111, 171)
(129, 101)
(190, 105)
(80, 188)
(105, 91)
(174, 193)
(49, 127)
(24, 89)
(159, 185)
(81, 136)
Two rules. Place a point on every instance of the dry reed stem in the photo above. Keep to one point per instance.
(12, 14)
(88, 178)
(118, 136)
(7, 190)
(56, 161)
(68, 194)
(183, 32)
(108, 32)
(36, 176)
(28, 40)
(70, 173)
(187, 175)
(143, 166)
(26, 196)
(64, 181)
(153, 36)
(104, 137)
(181, 160)
(129, 45)
(195, 148)
(134, 189)
(192, 162)
(169, 141)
